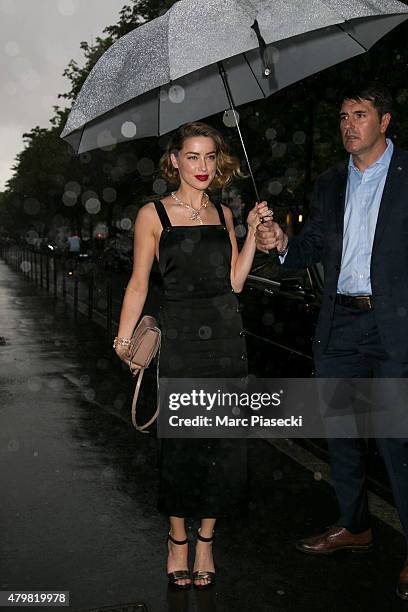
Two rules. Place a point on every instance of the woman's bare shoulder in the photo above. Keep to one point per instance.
(147, 212)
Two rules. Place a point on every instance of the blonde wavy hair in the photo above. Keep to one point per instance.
(228, 167)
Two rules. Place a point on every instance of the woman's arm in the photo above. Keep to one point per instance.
(241, 262)
(143, 256)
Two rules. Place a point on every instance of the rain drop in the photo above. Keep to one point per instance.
(299, 137)
(69, 198)
(109, 194)
(240, 230)
(275, 187)
(205, 332)
(93, 206)
(85, 158)
(89, 395)
(268, 318)
(228, 118)
(176, 94)
(128, 129)
(125, 223)
(160, 186)
(13, 446)
(74, 187)
(187, 245)
(270, 134)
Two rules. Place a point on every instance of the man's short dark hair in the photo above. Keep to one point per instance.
(377, 94)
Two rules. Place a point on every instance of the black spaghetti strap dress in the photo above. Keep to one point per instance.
(202, 337)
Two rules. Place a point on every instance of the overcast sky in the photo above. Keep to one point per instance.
(37, 40)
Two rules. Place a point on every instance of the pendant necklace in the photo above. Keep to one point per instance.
(195, 215)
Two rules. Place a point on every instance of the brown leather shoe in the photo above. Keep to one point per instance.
(334, 539)
(402, 586)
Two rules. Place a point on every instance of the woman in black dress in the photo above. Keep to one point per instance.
(194, 242)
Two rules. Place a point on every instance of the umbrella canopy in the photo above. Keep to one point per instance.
(174, 69)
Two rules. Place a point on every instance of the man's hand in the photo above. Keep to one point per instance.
(269, 236)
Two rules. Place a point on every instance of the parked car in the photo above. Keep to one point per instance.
(280, 308)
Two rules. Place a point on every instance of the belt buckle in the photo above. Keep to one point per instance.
(364, 302)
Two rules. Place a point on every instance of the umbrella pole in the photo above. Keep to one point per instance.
(231, 103)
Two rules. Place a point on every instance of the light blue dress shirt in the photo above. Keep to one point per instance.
(363, 198)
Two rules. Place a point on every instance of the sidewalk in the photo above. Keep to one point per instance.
(78, 490)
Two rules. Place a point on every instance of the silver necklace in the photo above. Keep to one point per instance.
(195, 215)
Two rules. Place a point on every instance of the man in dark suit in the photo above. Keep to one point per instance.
(358, 229)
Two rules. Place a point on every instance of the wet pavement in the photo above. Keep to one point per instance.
(78, 489)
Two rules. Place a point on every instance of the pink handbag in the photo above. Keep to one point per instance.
(143, 346)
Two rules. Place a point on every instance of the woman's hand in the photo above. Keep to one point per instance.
(265, 214)
(254, 218)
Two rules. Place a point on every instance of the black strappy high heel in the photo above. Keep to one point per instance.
(178, 574)
(203, 574)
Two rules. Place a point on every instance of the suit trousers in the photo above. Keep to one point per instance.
(355, 350)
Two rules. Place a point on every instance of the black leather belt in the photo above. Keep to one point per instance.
(359, 302)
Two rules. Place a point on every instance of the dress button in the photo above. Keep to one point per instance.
(244, 356)
(238, 309)
(242, 333)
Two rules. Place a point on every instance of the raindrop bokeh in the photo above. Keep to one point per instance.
(228, 118)
(128, 129)
(93, 206)
(159, 186)
(299, 137)
(275, 187)
(176, 94)
(109, 194)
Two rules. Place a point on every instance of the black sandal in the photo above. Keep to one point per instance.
(203, 574)
(178, 574)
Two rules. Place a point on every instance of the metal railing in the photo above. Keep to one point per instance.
(89, 286)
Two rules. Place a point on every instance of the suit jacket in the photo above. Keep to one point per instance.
(322, 240)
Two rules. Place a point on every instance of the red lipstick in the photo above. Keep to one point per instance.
(202, 177)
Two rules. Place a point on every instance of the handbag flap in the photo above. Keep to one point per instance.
(145, 342)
